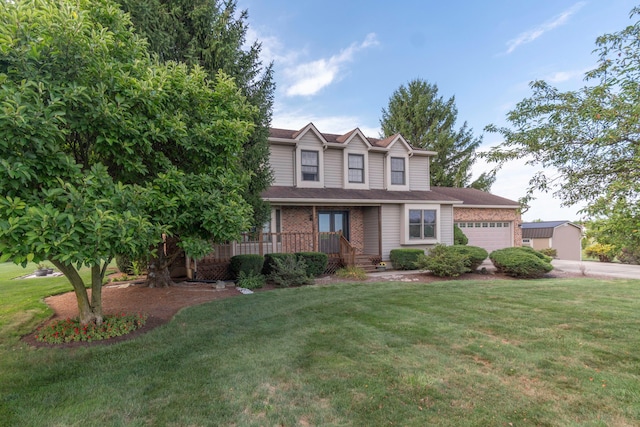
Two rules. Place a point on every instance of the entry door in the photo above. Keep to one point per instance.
(332, 221)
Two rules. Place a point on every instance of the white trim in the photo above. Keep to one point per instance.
(404, 224)
(345, 173)
(309, 184)
(387, 170)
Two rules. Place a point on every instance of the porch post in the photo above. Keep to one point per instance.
(314, 222)
(380, 230)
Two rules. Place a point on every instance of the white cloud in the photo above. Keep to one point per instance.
(531, 35)
(564, 76)
(310, 77)
(272, 48)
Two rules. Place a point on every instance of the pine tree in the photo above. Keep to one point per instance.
(211, 34)
(428, 121)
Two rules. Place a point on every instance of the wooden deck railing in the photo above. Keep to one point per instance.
(331, 243)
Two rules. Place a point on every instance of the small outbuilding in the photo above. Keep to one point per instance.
(563, 236)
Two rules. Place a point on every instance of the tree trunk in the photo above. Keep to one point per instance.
(158, 272)
(88, 311)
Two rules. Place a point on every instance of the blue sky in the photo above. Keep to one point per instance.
(338, 62)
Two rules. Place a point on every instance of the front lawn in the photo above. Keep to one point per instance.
(544, 352)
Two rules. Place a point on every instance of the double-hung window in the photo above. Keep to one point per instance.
(398, 171)
(422, 224)
(356, 168)
(310, 165)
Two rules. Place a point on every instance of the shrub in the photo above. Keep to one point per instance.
(250, 280)
(538, 254)
(550, 252)
(249, 264)
(459, 238)
(269, 261)
(629, 256)
(288, 271)
(353, 272)
(316, 262)
(129, 265)
(475, 255)
(124, 264)
(405, 259)
(605, 253)
(444, 261)
(520, 262)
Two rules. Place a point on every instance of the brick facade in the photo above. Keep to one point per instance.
(492, 214)
(300, 220)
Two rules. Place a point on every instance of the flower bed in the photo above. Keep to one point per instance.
(71, 330)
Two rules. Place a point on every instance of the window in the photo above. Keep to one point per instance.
(397, 171)
(422, 224)
(356, 168)
(310, 165)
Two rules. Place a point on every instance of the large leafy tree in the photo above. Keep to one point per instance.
(428, 121)
(212, 35)
(587, 140)
(89, 126)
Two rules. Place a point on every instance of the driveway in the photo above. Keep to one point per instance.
(595, 268)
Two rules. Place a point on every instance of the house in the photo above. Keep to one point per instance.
(357, 198)
(563, 236)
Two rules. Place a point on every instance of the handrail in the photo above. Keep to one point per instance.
(347, 252)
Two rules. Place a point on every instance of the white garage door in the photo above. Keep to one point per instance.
(487, 235)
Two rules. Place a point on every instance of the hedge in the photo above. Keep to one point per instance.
(269, 262)
(405, 259)
(316, 262)
(444, 261)
(459, 238)
(250, 264)
(475, 255)
(520, 262)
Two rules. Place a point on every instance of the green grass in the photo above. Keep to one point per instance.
(544, 352)
(21, 301)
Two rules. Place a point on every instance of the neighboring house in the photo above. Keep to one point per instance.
(358, 198)
(563, 236)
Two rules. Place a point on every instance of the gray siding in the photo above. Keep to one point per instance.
(376, 171)
(390, 229)
(281, 158)
(419, 173)
(311, 141)
(371, 230)
(333, 169)
(446, 224)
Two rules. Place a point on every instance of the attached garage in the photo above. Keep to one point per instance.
(488, 235)
(490, 222)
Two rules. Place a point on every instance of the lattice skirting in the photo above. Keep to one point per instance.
(219, 269)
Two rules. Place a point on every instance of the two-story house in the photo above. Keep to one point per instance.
(357, 198)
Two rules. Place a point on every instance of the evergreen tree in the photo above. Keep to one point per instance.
(428, 121)
(212, 34)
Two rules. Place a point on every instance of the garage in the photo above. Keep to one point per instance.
(488, 235)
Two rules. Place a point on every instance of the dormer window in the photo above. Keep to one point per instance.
(310, 165)
(356, 168)
(398, 171)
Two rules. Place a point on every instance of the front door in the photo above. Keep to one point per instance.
(332, 221)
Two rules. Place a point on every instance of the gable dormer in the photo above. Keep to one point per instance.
(309, 157)
(397, 167)
(355, 160)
